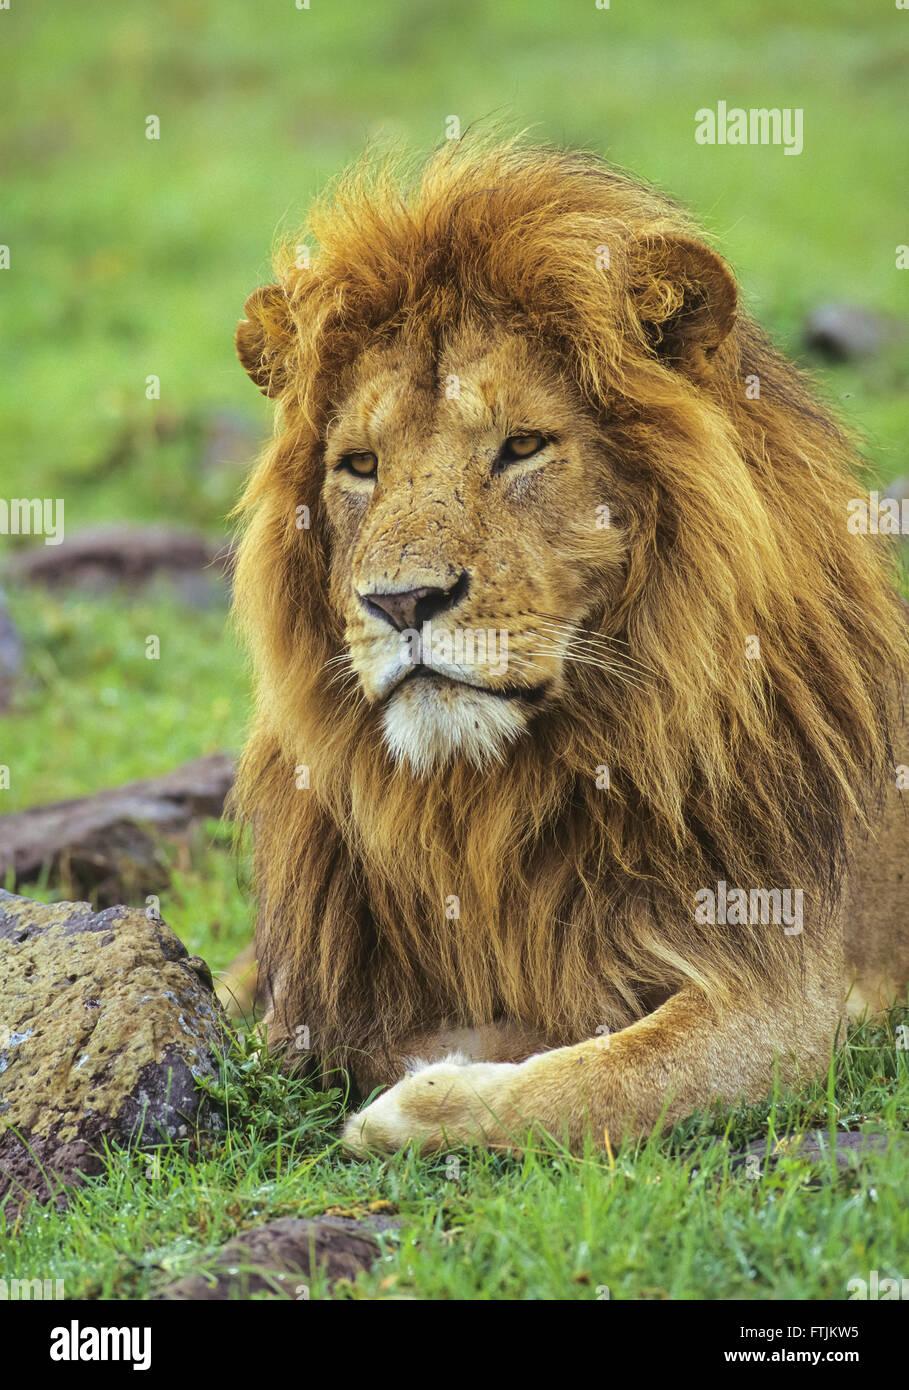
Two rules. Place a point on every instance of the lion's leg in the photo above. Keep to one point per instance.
(661, 1068)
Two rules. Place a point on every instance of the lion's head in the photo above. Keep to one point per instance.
(463, 481)
(552, 601)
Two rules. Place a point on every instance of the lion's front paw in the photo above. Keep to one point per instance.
(435, 1107)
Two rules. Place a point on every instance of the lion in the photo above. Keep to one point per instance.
(574, 772)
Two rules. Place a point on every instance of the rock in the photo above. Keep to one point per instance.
(103, 844)
(10, 655)
(106, 1025)
(279, 1257)
(846, 331)
(814, 1147)
(108, 555)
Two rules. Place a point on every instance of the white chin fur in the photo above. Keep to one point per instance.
(427, 724)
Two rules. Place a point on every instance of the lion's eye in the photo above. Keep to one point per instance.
(361, 465)
(519, 446)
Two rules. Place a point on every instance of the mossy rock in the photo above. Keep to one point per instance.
(106, 1024)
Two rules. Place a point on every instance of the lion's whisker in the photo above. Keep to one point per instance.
(598, 658)
(595, 638)
(608, 668)
(592, 649)
(344, 678)
(342, 658)
(565, 625)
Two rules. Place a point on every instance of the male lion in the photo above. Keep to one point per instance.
(577, 700)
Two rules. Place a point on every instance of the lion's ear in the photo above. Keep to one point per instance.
(263, 337)
(685, 297)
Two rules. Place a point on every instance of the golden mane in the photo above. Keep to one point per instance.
(750, 771)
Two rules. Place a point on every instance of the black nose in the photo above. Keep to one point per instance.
(413, 607)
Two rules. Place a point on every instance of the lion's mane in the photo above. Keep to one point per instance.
(576, 905)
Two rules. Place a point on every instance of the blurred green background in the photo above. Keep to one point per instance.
(132, 257)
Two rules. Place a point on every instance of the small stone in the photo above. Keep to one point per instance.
(264, 1258)
(842, 332)
(813, 1147)
(107, 845)
(129, 555)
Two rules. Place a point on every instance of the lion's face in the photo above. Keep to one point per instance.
(465, 492)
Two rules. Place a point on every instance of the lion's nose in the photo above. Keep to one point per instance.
(413, 607)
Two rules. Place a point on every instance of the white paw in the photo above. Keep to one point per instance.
(437, 1105)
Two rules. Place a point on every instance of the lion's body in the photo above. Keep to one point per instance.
(505, 859)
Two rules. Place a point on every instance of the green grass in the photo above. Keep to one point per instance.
(133, 257)
(667, 1218)
(96, 711)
